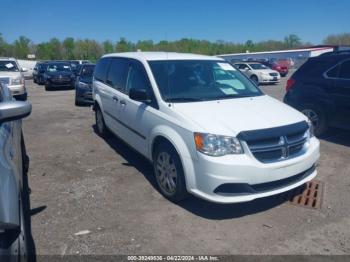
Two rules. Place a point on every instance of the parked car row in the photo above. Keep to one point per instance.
(63, 74)
(207, 128)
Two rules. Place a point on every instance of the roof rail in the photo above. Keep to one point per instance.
(341, 52)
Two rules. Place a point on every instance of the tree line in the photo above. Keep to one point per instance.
(88, 49)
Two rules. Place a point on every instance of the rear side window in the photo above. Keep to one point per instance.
(333, 73)
(344, 72)
(117, 73)
(100, 72)
(314, 68)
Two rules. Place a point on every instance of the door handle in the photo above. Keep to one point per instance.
(115, 98)
(122, 102)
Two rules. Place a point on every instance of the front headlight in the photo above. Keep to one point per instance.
(17, 81)
(217, 145)
(83, 85)
(311, 129)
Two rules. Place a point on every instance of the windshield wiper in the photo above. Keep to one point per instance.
(230, 96)
(183, 99)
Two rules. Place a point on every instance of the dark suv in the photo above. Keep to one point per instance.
(38, 73)
(321, 90)
(83, 85)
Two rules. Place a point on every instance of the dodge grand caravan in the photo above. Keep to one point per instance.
(207, 128)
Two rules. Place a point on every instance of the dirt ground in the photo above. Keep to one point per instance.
(81, 182)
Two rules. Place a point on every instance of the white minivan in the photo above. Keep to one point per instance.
(207, 128)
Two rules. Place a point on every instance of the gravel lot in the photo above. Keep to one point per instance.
(81, 182)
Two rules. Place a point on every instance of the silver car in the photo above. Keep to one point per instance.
(11, 74)
(14, 190)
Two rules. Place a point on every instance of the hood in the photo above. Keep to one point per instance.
(231, 116)
(86, 79)
(10, 74)
(62, 73)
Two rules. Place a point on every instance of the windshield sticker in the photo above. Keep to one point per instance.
(226, 66)
(9, 65)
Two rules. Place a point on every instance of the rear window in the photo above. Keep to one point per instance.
(100, 72)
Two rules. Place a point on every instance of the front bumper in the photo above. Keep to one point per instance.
(57, 83)
(270, 79)
(84, 95)
(213, 172)
(17, 89)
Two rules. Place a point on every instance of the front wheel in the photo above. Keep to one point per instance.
(101, 127)
(255, 79)
(317, 116)
(169, 173)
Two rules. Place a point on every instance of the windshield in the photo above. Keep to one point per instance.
(59, 67)
(87, 70)
(258, 66)
(8, 66)
(200, 80)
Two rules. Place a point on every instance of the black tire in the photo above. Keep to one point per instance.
(23, 236)
(47, 87)
(77, 102)
(255, 79)
(178, 192)
(101, 127)
(34, 80)
(317, 116)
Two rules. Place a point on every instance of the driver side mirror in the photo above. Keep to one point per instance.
(14, 110)
(139, 95)
(23, 69)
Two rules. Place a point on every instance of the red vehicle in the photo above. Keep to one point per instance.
(280, 68)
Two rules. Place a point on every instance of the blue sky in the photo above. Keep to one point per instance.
(229, 20)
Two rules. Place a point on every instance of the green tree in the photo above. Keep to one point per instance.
(108, 47)
(124, 46)
(292, 41)
(21, 47)
(68, 48)
(339, 39)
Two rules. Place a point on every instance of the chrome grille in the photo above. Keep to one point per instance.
(277, 144)
(5, 80)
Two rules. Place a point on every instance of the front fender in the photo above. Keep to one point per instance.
(180, 145)
(97, 99)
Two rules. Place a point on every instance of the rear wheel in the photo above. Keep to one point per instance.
(317, 116)
(77, 102)
(169, 172)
